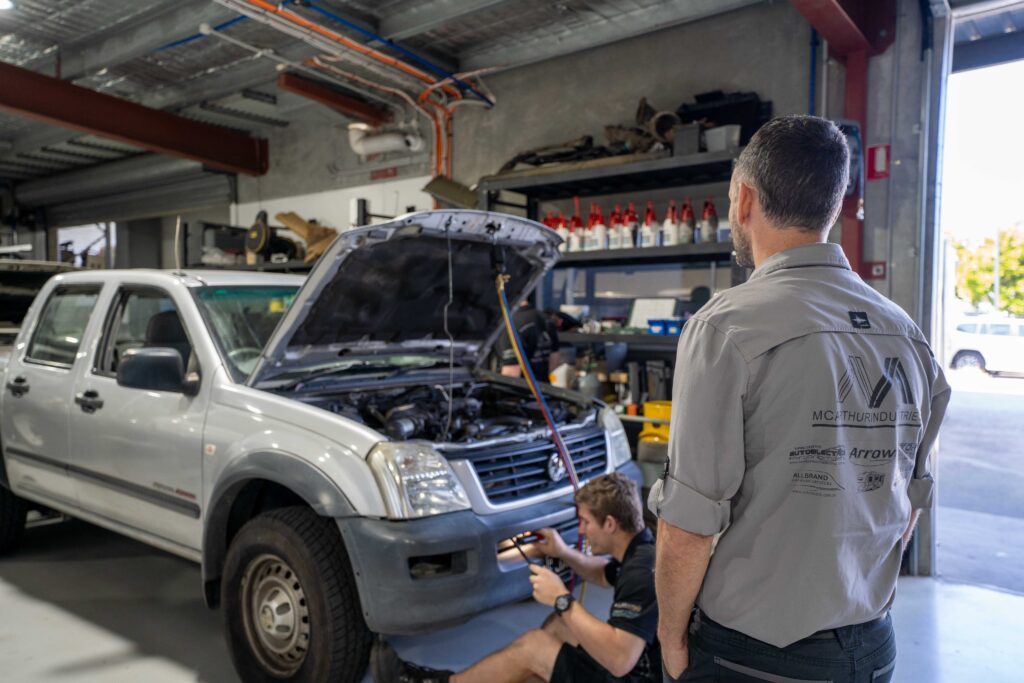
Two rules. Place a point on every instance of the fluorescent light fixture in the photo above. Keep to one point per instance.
(6, 4)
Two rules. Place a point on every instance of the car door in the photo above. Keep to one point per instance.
(139, 451)
(37, 395)
(999, 346)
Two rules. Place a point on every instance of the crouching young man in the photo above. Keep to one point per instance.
(573, 645)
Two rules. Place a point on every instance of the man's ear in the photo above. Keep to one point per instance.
(611, 524)
(745, 198)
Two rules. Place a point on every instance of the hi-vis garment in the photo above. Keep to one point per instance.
(805, 405)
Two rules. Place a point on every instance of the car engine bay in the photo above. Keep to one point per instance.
(479, 411)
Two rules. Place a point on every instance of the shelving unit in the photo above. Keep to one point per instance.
(618, 176)
(650, 341)
(611, 175)
(715, 251)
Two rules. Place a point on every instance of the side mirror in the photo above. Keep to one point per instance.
(154, 368)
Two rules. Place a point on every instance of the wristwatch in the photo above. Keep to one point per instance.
(563, 603)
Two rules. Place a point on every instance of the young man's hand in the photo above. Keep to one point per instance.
(550, 543)
(546, 585)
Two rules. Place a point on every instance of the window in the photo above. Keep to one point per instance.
(242, 320)
(62, 324)
(968, 327)
(1000, 330)
(143, 318)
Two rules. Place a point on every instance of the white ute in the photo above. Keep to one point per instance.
(306, 441)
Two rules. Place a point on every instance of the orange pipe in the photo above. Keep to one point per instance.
(352, 45)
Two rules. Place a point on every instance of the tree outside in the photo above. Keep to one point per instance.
(975, 276)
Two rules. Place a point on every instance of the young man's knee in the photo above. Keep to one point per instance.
(539, 648)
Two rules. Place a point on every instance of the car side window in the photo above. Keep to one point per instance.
(142, 318)
(61, 325)
(967, 327)
(999, 330)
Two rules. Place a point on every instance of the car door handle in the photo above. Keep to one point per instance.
(89, 400)
(18, 386)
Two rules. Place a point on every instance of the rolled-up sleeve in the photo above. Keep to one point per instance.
(706, 449)
(922, 485)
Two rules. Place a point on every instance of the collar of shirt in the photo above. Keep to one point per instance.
(818, 254)
(643, 538)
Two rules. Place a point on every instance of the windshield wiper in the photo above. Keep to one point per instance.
(389, 369)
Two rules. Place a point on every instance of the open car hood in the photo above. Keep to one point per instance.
(382, 290)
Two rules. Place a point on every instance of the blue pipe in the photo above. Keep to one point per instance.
(197, 36)
(355, 27)
(394, 46)
(812, 95)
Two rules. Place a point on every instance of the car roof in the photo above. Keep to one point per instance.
(187, 278)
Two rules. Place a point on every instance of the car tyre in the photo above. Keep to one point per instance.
(968, 359)
(12, 520)
(291, 608)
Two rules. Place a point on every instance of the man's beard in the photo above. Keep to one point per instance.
(741, 245)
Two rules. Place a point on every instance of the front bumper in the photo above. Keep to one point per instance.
(469, 576)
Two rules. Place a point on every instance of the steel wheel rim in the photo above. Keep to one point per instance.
(276, 615)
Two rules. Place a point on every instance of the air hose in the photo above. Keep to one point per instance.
(531, 381)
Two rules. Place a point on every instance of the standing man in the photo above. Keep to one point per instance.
(805, 407)
(573, 645)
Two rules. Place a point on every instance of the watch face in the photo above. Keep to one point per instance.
(562, 602)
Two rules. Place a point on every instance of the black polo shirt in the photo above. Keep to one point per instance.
(634, 604)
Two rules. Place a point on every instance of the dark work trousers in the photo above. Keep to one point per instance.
(865, 653)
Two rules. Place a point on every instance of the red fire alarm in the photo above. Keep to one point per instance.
(878, 162)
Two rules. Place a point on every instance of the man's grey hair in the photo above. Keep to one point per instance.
(800, 167)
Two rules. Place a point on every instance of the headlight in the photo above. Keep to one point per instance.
(416, 480)
(618, 451)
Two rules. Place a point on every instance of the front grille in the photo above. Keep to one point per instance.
(511, 472)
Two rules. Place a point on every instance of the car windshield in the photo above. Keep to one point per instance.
(242, 319)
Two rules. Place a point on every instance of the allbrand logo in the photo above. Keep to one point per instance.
(892, 373)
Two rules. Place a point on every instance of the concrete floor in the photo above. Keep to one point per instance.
(81, 605)
(981, 482)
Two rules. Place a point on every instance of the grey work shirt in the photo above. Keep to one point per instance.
(805, 405)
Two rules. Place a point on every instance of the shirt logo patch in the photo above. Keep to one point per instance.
(859, 319)
(892, 373)
(626, 610)
(819, 481)
(870, 481)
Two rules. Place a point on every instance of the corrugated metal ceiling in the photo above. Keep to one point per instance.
(184, 77)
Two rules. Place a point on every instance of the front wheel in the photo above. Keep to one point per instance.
(290, 604)
(12, 520)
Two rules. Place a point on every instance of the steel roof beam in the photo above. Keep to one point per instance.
(343, 104)
(852, 26)
(57, 102)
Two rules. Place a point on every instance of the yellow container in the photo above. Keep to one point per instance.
(659, 410)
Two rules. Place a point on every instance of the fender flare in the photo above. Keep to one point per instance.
(300, 477)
